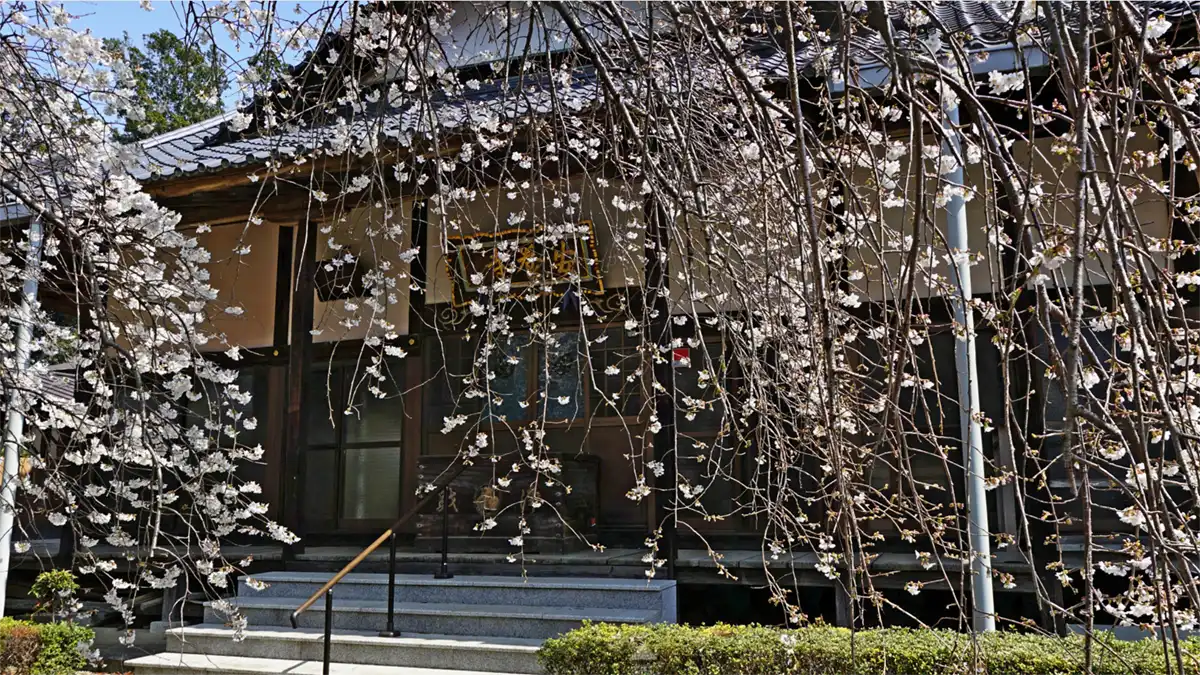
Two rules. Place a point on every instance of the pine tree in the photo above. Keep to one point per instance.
(178, 82)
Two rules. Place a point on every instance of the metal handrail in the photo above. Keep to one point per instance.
(390, 533)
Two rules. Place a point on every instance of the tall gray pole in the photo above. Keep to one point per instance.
(14, 426)
(968, 391)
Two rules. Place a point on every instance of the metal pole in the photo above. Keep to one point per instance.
(968, 390)
(14, 427)
(444, 572)
(328, 631)
(391, 620)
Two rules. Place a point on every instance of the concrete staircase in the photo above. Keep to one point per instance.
(466, 624)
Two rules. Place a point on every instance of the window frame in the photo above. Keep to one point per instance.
(532, 362)
(341, 445)
(732, 379)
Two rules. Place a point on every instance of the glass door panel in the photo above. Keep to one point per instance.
(353, 471)
(320, 493)
(559, 380)
(505, 382)
(373, 419)
(322, 401)
(371, 484)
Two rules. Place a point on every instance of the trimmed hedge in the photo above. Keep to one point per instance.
(29, 648)
(667, 649)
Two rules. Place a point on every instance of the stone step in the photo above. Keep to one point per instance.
(439, 618)
(487, 654)
(657, 595)
(190, 664)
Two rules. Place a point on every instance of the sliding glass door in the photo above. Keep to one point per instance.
(353, 454)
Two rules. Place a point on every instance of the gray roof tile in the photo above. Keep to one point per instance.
(196, 148)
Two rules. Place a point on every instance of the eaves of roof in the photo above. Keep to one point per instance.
(206, 147)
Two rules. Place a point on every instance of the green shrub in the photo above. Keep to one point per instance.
(28, 648)
(19, 647)
(667, 649)
(55, 591)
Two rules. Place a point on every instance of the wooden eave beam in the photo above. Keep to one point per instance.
(283, 200)
(241, 175)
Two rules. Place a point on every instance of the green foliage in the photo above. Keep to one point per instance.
(42, 648)
(19, 646)
(668, 649)
(55, 591)
(54, 583)
(61, 648)
(177, 82)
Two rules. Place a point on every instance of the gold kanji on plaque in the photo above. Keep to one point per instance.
(524, 261)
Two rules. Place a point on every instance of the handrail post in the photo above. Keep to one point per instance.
(390, 533)
(328, 631)
(444, 572)
(391, 620)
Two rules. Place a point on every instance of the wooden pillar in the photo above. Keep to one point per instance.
(277, 394)
(418, 272)
(274, 445)
(842, 603)
(171, 608)
(283, 286)
(1183, 184)
(414, 399)
(299, 361)
(656, 297)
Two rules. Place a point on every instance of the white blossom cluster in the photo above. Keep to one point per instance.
(768, 241)
(141, 465)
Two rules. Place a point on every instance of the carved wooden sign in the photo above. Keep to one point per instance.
(524, 263)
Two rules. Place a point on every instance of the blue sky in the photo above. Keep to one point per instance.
(114, 18)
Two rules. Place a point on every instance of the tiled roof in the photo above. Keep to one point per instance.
(59, 382)
(207, 147)
(990, 24)
(202, 147)
(982, 25)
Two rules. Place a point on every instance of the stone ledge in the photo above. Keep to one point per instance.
(177, 664)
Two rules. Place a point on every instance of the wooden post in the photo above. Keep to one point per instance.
(283, 286)
(299, 361)
(414, 370)
(277, 394)
(842, 602)
(418, 273)
(275, 443)
(656, 297)
(171, 596)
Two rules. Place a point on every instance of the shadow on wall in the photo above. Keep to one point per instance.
(707, 604)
